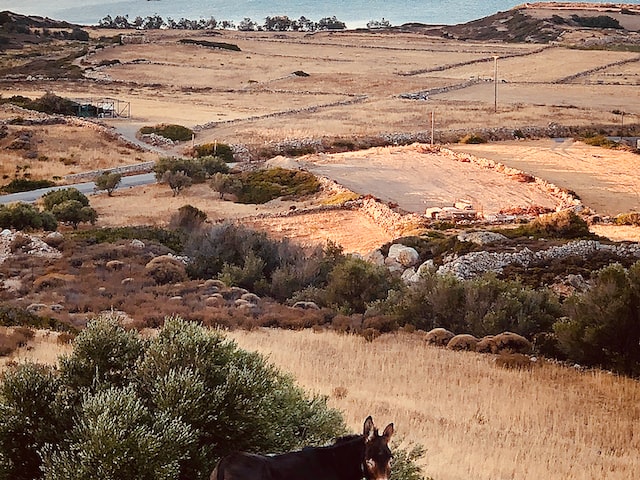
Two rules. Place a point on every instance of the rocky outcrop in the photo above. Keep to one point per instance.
(476, 263)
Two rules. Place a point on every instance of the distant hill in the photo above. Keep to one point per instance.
(16, 30)
(547, 22)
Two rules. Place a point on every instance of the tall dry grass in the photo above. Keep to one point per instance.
(477, 420)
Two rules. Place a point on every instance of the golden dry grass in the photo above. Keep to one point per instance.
(476, 420)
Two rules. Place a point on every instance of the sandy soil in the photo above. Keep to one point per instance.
(605, 180)
(416, 179)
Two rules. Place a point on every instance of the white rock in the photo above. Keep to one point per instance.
(406, 256)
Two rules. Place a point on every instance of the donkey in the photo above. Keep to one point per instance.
(353, 457)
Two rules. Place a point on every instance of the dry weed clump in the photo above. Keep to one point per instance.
(11, 338)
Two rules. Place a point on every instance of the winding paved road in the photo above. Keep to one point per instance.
(87, 188)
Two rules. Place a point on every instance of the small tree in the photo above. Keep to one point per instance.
(226, 183)
(108, 181)
(55, 197)
(178, 181)
(74, 213)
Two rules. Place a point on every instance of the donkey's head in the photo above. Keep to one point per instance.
(377, 456)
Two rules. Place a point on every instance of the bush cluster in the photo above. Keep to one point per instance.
(165, 408)
(25, 185)
(48, 103)
(565, 224)
(261, 186)
(196, 169)
(25, 216)
(170, 131)
(69, 205)
(219, 150)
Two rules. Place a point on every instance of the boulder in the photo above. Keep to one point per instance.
(486, 345)
(481, 238)
(376, 257)
(215, 300)
(250, 297)
(405, 256)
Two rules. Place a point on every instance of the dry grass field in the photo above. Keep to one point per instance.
(476, 420)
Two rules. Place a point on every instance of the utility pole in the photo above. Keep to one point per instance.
(432, 125)
(495, 83)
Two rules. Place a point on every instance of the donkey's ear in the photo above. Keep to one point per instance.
(388, 432)
(369, 430)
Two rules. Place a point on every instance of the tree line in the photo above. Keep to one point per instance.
(279, 23)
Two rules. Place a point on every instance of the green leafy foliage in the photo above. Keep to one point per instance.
(177, 181)
(602, 327)
(198, 169)
(171, 131)
(74, 213)
(482, 306)
(108, 181)
(354, 283)
(25, 185)
(261, 186)
(48, 103)
(30, 418)
(219, 150)
(25, 216)
(168, 238)
(53, 198)
(168, 407)
(120, 437)
(250, 259)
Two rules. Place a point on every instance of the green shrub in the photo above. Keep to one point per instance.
(355, 283)
(168, 238)
(599, 141)
(30, 418)
(55, 197)
(25, 216)
(171, 131)
(48, 103)
(600, 21)
(482, 306)
(631, 218)
(198, 170)
(220, 150)
(108, 181)
(602, 327)
(565, 224)
(261, 186)
(207, 43)
(25, 185)
(167, 407)
(188, 218)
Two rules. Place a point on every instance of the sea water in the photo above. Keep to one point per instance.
(355, 13)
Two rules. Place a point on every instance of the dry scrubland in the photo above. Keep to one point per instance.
(353, 86)
(476, 420)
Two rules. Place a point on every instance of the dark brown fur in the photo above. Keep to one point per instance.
(350, 458)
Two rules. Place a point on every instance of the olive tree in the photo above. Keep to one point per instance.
(108, 181)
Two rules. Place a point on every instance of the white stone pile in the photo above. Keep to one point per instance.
(36, 246)
(476, 263)
(404, 260)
